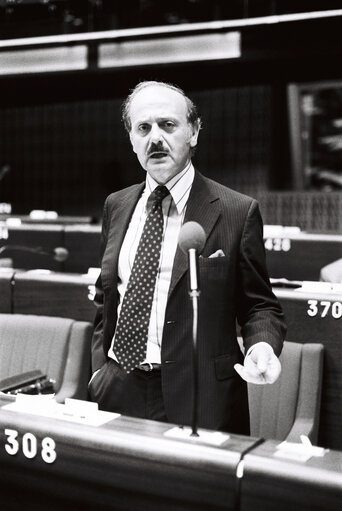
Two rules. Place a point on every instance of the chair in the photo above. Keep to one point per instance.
(59, 347)
(290, 407)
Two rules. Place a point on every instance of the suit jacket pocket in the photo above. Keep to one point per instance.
(224, 366)
(213, 262)
(214, 274)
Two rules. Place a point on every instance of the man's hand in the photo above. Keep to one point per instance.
(260, 365)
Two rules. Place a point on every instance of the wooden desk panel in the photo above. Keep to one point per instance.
(6, 276)
(126, 464)
(83, 244)
(270, 483)
(54, 294)
(317, 317)
(47, 237)
(301, 256)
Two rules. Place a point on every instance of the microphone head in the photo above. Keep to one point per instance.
(60, 254)
(191, 235)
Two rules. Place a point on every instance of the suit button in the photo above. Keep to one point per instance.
(170, 322)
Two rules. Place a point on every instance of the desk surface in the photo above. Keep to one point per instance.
(271, 483)
(126, 463)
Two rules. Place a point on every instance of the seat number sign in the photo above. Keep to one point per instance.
(324, 308)
(30, 446)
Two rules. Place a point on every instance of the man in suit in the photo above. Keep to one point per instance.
(163, 127)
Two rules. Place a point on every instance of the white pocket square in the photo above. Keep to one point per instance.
(218, 253)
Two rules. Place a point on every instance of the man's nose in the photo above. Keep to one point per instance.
(155, 134)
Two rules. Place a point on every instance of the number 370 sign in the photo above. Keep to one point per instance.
(30, 446)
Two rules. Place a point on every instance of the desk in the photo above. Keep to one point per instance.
(270, 483)
(301, 256)
(125, 464)
(314, 314)
(83, 244)
(311, 317)
(294, 256)
(54, 294)
(46, 236)
(81, 240)
(6, 277)
(48, 220)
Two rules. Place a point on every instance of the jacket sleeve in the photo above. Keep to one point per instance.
(98, 355)
(258, 310)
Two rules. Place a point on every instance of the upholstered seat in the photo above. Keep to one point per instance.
(59, 347)
(290, 407)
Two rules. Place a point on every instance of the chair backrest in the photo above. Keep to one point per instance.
(290, 407)
(59, 347)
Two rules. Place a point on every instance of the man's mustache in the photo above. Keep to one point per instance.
(156, 148)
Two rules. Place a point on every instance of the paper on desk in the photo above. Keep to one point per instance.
(39, 271)
(299, 451)
(13, 222)
(208, 437)
(74, 410)
(309, 286)
(280, 231)
(93, 272)
(42, 214)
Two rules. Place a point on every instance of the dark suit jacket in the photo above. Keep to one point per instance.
(233, 287)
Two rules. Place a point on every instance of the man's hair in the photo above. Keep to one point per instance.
(192, 114)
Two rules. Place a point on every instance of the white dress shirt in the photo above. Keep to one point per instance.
(174, 206)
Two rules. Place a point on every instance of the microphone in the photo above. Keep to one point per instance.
(191, 241)
(59, 254)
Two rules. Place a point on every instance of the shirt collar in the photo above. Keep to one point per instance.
(179, 186)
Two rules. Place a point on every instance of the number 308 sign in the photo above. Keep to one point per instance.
(30, 446)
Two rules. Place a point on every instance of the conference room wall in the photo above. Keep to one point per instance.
(61, 135)
(68, 155)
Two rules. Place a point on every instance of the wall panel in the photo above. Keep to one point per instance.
(68, 155)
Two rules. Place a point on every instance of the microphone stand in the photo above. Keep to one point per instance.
(194, 293)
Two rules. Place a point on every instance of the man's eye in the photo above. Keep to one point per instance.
(169, 125)
(143, 128)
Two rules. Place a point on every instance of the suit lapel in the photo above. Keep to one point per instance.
(203, 207)
(119, 221)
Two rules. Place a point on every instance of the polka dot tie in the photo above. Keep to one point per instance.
(132, 328)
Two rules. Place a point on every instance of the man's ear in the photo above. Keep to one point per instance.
(195, 128)
(132, 142)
